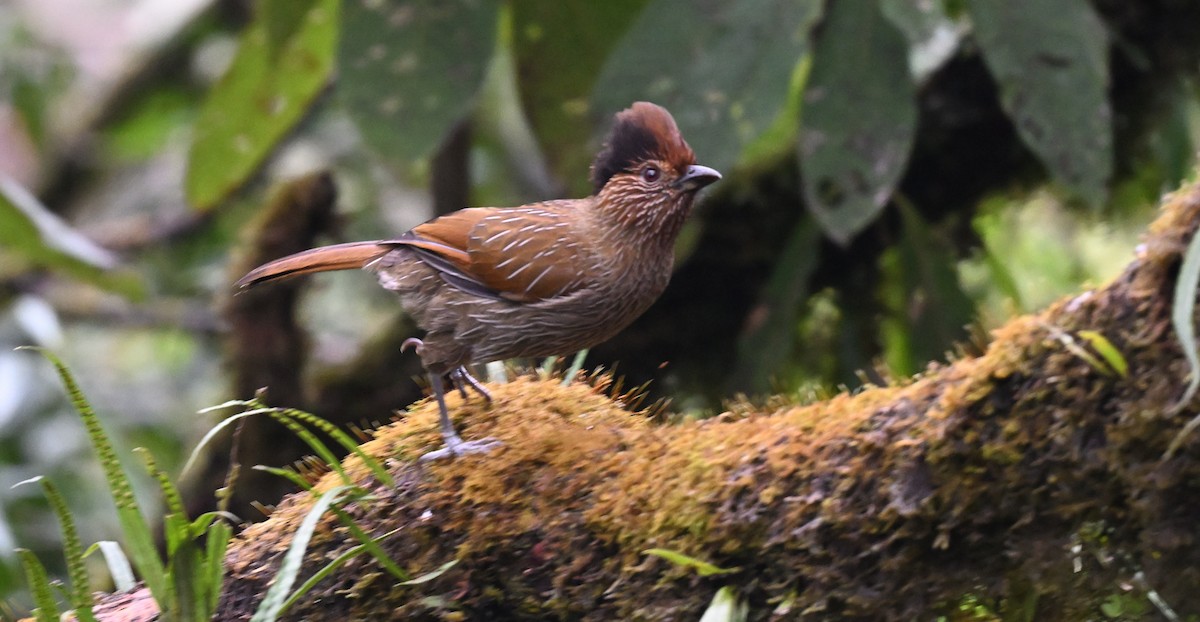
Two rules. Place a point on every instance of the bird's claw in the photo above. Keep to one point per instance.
(459, 447)
(463, 378)
(412, 342)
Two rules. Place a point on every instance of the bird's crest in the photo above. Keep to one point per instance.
(644, 131)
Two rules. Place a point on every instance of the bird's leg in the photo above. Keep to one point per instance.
(462, 378)
(452, 439)
(459, 384)
(455, 446)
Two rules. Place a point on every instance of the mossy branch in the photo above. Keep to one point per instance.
(1027, 480)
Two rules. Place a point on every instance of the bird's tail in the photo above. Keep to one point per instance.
(350, 256)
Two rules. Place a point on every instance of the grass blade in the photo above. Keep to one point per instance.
(431, 575)
(118, 565)
(344, 440)
(1111, 354)
(287, 474)
(576, 365)
(546, 369)
(223, 406)
(701, 567)
(184, 562)
(327, 570)
(216, 429)
(372, 546)
(219, 535)
(1182, 317)
(318, 446)
(725, 607)
(272, 604)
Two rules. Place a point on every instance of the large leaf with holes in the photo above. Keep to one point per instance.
(933, 35)
(283, 61)
(560, 48)
(724, 69)
(408, 71)
(860, 117)
(1050, 61)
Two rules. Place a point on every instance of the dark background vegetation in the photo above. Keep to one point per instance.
(900, 176)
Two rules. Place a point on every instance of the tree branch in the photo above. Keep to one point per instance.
(1029, 479)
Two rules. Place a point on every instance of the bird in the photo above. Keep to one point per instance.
(543, 279)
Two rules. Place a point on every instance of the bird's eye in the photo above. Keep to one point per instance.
(651, 173)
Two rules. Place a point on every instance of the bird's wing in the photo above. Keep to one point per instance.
(520, 254)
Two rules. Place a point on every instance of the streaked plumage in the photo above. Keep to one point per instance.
(546, 278)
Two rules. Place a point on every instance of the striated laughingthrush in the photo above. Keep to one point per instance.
(542, 279)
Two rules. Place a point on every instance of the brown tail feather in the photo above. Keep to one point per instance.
(353, 255)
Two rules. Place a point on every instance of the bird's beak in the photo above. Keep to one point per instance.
(697, 177)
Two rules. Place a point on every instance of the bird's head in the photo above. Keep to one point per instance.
(646, 176)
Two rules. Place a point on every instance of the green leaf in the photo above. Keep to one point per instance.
(408, 72)
(272, 604)
(80, 590)
(138, 536)
(284, 60)
(431, 575)
(724, 69)
(318, 446)
(928, 310)
(1112, 606)
(573, 369)
(764, 347)
(1050, 61)
(31, 99)
(185, 562)
(215, 543)
(371, 546)
(39, 587)
(321, 574)
(1111, 354)
(295, 478)
(701, 567)
(560, 48)
(859, 119)
(149, 124)
(933, 36)
(216, 429)
(1079, 351)
(118, 565)
(329, 569)
(344, 440)
(170, 492)
(726, 607)
(31, 236)
(1183, 319)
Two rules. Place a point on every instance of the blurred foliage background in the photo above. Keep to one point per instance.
(900, 176)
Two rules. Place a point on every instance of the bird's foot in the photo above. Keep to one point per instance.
(459, 447)
(463, 378)
(412, 342)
